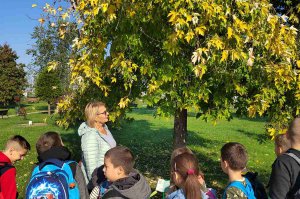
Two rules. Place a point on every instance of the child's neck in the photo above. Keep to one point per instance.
(235, 175)
(123, 176)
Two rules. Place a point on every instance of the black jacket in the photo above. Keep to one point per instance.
(285, 178)
(62, 153)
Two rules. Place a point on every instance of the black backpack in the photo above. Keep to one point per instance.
(258, 187)
(4, 166)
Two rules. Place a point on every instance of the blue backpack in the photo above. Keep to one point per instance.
(52, 179)
(247, 190)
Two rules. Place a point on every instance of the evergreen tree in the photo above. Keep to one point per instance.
(12, 75)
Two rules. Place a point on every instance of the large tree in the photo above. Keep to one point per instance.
(214, 56)
(12, 75)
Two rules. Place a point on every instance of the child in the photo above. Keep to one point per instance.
(187, 177)
(282, 144)
(123, 180)
(206, 193)
(50, 146)
(16, 148)
(233, 162)
(284, 180)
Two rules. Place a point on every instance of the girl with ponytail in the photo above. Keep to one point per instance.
(186, 176)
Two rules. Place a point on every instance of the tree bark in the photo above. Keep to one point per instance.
(180, 128)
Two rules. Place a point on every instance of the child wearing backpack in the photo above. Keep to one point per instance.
(15, 149)
(233, 162)
(55, 172)
(123, 180)
(175, 191)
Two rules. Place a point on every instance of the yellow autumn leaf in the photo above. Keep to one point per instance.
(41, 20)
(95, 10)
(64, 16)
(229, 32)
(272, 132)
(189, 36)
(172, 15)
(200, 30)
(59, 8)
(123, 102)
(251, 111)
(33, 5)
(179, 34)
(104, 7)
(298, 63)
(224, 55)
(188, 18)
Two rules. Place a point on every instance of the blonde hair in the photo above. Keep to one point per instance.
(91, 111)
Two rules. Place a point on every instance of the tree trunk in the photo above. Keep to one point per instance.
(180, 128)
(49, 108)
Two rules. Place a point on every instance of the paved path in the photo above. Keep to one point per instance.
(29, 113)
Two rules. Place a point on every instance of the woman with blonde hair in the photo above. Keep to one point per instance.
(96, 139)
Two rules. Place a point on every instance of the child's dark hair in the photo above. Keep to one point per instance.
(20, 140)
(121, 156)
(186, 165)
(47, 141)
(235, 154)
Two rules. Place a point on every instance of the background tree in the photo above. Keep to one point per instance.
(48, 87)
(214, 57)
(12, 75)
(51, 48)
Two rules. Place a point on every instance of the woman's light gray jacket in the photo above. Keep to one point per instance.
(93, 147)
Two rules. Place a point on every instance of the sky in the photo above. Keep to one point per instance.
(17, 20)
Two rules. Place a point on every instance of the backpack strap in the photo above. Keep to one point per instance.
(4, 166)
(73, 166)
(294, 157)
(240, 186)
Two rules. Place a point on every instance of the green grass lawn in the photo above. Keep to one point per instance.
(150, 139)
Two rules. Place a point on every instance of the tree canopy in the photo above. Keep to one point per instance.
(48, 86)
(50, 48)
(12, 75)
(214, 57)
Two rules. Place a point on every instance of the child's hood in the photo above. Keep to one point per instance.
(134, 186)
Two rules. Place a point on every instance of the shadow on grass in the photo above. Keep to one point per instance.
(260, 138)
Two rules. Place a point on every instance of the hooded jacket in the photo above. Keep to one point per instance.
(93, 146)
(62, 153)
(134, 186)
(285, 180)
(8, 187)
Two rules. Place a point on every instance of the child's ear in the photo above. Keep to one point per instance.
(120, 170)
(225, 164)
(280, 150)
(11, 150)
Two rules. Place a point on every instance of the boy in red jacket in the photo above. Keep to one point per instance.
(15, 149)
